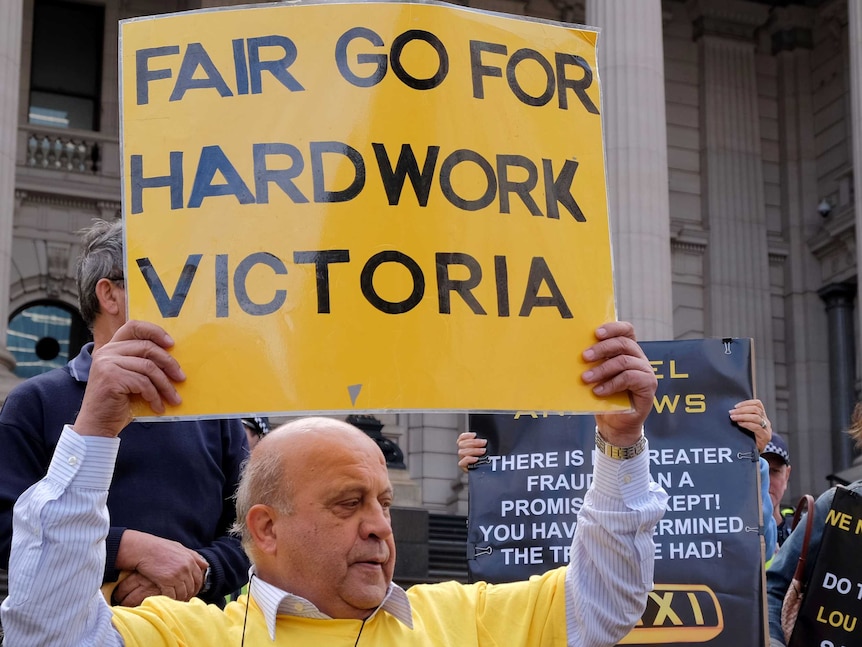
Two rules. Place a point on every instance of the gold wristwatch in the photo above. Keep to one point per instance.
(620, 453)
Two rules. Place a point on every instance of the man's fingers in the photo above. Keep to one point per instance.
(754, 403)
(126, 586)
(751, 416)
(139, 367)
(135, 362)
(186, 585)
(135, 597)
(133, 590)
(469, 456)
(124, 375)
(145, 377)
(612, 348)
(620, 373)
(197, 582)
(198, 573)
(143, 349)
(143, 330)
(620, 365)
(171, 592)
(616, 329)
(472, 451)
(467, 461)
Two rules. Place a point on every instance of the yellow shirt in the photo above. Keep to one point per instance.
(526, 614)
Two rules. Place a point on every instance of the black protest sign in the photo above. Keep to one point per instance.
(525, 496)
(830, 609)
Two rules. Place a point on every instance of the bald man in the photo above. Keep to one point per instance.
(313, 513)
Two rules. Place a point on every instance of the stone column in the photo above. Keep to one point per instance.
(11, 24)
(738, 292)
(842, 374)
(631, 65)
(808, 413)
(854, 35)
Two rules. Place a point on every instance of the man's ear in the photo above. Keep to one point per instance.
(110, 299)
(260, 522)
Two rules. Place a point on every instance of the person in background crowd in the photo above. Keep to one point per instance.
(751, 416)
(171, 504)
(313, 511)
(777, 455)
(780, 571)
(255, 429)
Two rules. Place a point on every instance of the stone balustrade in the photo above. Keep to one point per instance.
(76, 151)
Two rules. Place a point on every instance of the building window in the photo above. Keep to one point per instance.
(44, 335)
(66, 66)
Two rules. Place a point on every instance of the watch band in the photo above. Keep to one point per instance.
(620, 453)
(208, 582)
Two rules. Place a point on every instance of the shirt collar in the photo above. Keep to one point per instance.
(274, 601)
(79, 366)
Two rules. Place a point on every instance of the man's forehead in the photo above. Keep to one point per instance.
(347, 473)
(323, 445)
(324, 448)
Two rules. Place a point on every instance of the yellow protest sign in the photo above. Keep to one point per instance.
(373, 206)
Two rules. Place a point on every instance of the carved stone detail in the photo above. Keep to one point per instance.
(58, 264)
(735, 19)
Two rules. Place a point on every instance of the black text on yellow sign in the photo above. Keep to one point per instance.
(386, 189)
(197, 72)
(274, 55)
(539, 279)
(497, 186)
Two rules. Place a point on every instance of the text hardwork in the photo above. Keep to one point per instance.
(541, 289)
(277, 165)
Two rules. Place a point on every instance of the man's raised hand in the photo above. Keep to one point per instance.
(134, 363)
(620, 366)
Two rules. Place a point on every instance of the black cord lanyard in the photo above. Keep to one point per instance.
(247, 605)
(361, 627)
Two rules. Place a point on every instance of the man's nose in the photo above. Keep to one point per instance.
(376, 522)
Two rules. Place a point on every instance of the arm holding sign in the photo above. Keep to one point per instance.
(53, 581)
(613, 542)
(171, 505)
(751, 416)
(612, 556)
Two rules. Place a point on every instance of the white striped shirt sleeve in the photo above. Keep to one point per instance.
(613, 553)
(59, 527)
